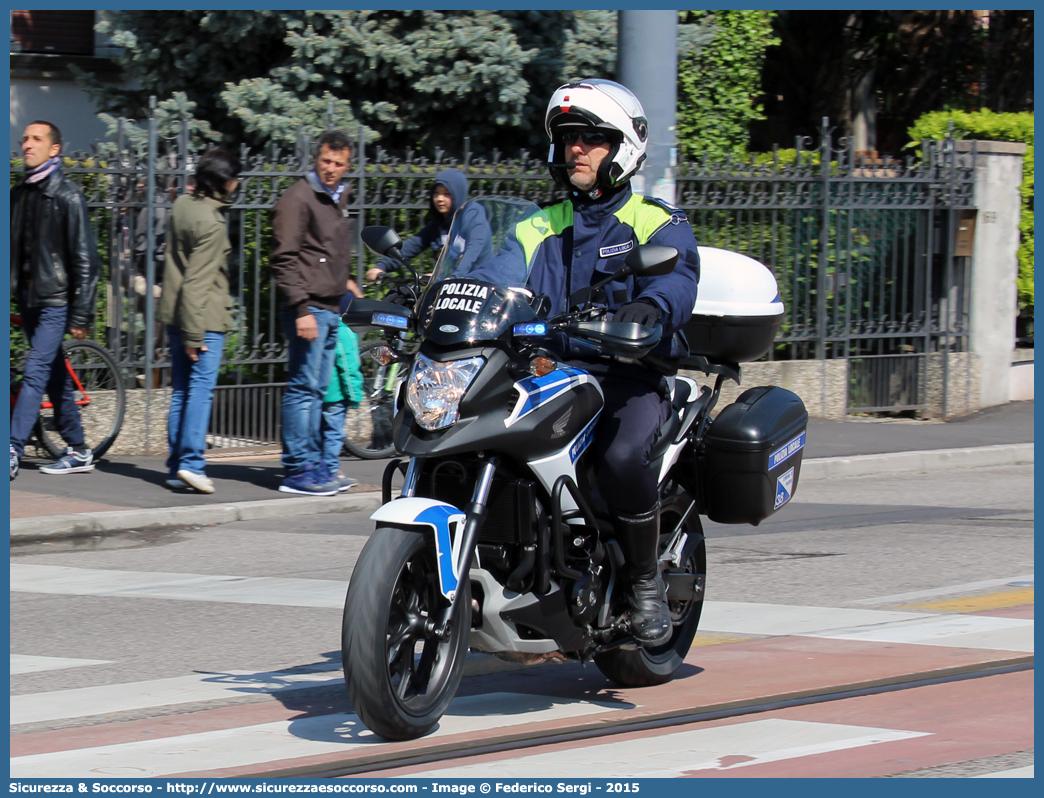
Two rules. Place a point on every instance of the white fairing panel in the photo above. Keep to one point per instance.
(446, 523)
(672, 454)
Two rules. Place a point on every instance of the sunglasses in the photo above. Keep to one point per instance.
(591, 138)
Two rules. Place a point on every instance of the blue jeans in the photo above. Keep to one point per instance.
(333, 434)
(45, 371)
(193, 393)
(309, 366)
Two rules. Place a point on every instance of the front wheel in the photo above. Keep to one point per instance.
(643, 667)
(400, 675)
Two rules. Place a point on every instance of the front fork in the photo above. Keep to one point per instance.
(475, 515)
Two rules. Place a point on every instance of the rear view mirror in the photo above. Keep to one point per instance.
(651, 260)
(381, 239)
(645, 260)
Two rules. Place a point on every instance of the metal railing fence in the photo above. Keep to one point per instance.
(863, 251)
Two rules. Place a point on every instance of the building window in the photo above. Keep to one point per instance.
(53, 32)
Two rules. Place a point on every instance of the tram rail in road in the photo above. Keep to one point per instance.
(418, 753)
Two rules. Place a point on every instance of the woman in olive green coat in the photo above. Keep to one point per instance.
(196, 307)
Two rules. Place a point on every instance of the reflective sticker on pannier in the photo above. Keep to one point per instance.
(784, 488)
(786, 451)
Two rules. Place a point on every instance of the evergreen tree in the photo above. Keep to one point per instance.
(193, 53)
(412, 79)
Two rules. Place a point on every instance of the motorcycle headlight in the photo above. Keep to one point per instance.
(435, 389)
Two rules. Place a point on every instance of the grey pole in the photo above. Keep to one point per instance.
(647, 64)
(150, 270)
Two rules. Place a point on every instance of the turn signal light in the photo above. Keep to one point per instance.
(384, 355)
(539, 366)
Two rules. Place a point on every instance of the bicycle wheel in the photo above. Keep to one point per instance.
(368, 427)
(100, 394)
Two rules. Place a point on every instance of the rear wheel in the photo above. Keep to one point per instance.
(642, 667)
(368, 428)
(400, 675)
(100, 395)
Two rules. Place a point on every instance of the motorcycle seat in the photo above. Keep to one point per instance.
(668, 434)
(682, 391)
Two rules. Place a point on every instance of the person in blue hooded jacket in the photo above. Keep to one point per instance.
(448, 193)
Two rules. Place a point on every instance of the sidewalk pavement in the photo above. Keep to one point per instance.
(127, 493)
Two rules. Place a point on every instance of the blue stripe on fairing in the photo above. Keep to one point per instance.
(543, 389)
(439, 517)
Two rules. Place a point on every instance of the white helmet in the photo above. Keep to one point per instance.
(603, 104)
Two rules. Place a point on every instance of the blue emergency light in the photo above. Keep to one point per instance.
(391, 320)
(530, 329)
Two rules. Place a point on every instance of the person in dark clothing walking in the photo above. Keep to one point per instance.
(54, 276)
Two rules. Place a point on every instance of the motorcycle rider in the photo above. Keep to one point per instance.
(599, 133)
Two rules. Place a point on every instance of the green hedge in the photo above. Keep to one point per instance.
(990, 126)
(719, 82)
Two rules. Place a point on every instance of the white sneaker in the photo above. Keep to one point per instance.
(199, 482)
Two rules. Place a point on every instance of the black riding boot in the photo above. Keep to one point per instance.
(639, 538)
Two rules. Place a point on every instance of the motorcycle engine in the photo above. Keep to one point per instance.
(585, 597)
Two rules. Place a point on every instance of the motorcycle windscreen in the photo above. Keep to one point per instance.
(465, 311)
(492, 239)
(477, 290)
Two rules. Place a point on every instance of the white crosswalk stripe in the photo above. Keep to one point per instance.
(308, 736)
(1015, 773)
(24, 663)
(106, 699)
(676, 754)
(727, 617)
(959, 631)
(270, 591)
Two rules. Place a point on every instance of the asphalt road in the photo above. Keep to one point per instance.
(840, 543)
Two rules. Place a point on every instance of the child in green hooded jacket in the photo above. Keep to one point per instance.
(346, 390)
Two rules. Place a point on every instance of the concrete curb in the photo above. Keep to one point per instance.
(49, 527)
(53, 527)
(919, 461)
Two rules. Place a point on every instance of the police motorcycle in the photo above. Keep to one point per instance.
(498, 541)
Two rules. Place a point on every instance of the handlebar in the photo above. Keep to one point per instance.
(623, 338)
(588, 331)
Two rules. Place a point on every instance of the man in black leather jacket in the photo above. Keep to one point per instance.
(54, 276)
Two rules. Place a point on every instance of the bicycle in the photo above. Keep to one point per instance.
(368, 428)
(100, 392)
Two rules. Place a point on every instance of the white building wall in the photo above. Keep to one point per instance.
(62, 102)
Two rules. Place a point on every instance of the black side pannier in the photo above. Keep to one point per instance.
(750, 459)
